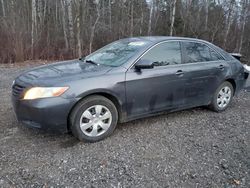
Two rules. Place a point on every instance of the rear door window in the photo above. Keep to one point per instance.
(198, 52)
(215, 56)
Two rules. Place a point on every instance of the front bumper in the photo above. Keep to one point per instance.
(50, 114)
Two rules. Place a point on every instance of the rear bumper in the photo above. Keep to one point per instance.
(50, 114)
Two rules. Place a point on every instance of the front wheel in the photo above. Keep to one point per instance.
(222, 97)
(93, 119)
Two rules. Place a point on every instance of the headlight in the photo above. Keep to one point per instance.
(44, 92)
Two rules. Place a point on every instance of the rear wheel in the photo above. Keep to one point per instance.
(93, 119)
(222, 97)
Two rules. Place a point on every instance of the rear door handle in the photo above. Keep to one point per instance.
(221, 67)
(179, 72)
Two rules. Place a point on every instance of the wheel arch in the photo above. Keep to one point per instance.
(232, 81)
(112, 97)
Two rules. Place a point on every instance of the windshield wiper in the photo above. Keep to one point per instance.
(92, 62)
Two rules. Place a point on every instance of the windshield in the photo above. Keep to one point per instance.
(116, 53)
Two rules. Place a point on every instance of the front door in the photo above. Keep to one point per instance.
(152, 90)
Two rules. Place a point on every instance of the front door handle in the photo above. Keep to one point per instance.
(179, 72)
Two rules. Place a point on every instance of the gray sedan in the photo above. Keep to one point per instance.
(125, 80)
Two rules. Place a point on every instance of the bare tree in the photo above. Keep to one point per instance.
(141, 19)
(33, 30)
(229, 21)
(3, 8)
(65, 29)
(172, 17)
(64, 24)
(151, 9)
(244, 19)
(78, 29)
(132, 18)
(206, 13)
(70, 25)
(92, 34)
(110, 16)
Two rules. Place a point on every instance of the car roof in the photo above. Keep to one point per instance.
(156, 39)
(152, 40)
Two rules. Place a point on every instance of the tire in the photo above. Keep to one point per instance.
(93, 119)
(222, 97)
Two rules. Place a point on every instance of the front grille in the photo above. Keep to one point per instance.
(17, 90)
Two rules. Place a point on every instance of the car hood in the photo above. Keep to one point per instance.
(62, 71)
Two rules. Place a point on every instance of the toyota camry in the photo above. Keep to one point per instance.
(128, 79)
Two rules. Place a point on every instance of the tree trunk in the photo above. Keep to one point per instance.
(172, 18)
(44, 11)
(132, 19)
(92, 34)
(78, 29)
(229, 21)
(3, 8)
(40, 11)
(206, 14)
(56, 11)
(245, 7)
(150, 17)
(64, 25)
(71, 31)
(141, 19)
(33, 27)
(110, 16)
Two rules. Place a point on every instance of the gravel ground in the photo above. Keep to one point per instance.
(191, 148)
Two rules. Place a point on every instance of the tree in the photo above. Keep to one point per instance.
(172, 17)
(66, 29)
(69, 5)
(3, 8)
(92, 34)
(228, 21)
(243, 23)
(151, 9)
(206, 13)
(34, 26)
(64, 24)
(78, 26)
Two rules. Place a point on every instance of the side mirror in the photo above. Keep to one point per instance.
(144, 64)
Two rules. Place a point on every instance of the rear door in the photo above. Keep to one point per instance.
(204, 70)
